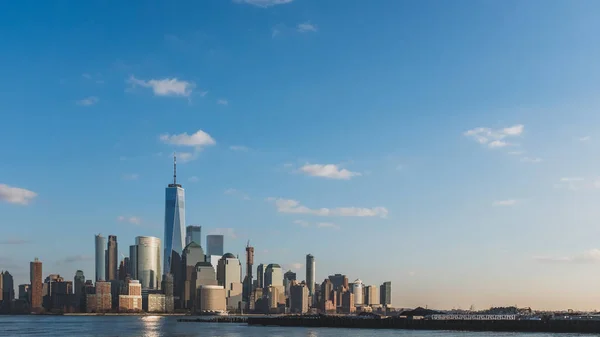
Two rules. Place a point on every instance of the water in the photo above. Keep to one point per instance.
(157, 326)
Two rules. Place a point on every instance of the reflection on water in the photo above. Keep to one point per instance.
(159, 326)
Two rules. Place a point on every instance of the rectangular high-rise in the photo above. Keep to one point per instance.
(214, 245)
(35, 280)
(385, 293)
(193, 234)
(100, 257)
(174, 226)
(112, 259)
(310, 275)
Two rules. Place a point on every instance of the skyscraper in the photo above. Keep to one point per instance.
(385, 293)
(273, 276)
(145, 261)
(112, 259)
(193, 234)
(35, 280)
(100, 258)
(310, 274)
(260, 276)
(8, 287)
(214, 245)
(248, 278)
(229, 275)
(79, 282)
(174, 226)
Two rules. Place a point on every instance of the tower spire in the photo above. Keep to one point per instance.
(174, 168)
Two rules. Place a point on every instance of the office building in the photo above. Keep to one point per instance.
(339, 281)
(290, 276)
(112, 259)
(131, 300)
(248, 279)
(229, 275)
(168, 288)
(214, 245)
(357, 290)
(273, 276)
(372, 295)
(35, 280)
(348, 302)
(192, 255)
(174, 224)
(24, 292)
(145, 261)
(156, 303)
(100, 257)
(101, 300)
(260, 276)
(193, 234)
(385, 294)
(79, 290)
(211, 299)
(310, 275)
(7, 291)
(299, 298)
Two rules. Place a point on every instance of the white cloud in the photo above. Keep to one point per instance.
(275, 32)
(238, 148)
(193, 179)
(16, 195)
(197, 140)
(571, 179)
(238, 193)
(327, 225)
(228, 232)
(516, 153)
(132, 176)
(294, 207)
(88, 101)
(184, 157)
(585, 139)
(533, 160)
(130, 219)
(590, 256)
(222, 102)
(597, 183)
(203, 93)
(306, 27)
(297, 265)
(509, 202)
(166, 86)
(86, 76)
(494, 138)
(330, 171)
(263, 3)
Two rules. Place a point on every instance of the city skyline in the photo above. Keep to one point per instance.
(460, 143)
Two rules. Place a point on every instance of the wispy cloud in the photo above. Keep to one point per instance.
(16, 195)
(302, 223)
(88, 101)
(222, 102)
(307, 27)
(294, 207)
(238, 148)
(131, 176)
(330, 171)
(75, 258)
(263, 3)
(237, 193)
(227, 232)
(590, 256)
(516, 153)
(572, 183)
(327, 225)
(193, 179)
(135, 220)
(585, 138)
(531, 160)
(494, 138)
(509, 202)
(14, 242)
(165, 86)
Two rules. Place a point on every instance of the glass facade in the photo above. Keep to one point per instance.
(174, 227)
(193, 234)
(214, 245)
(100, 258)
(147, 261)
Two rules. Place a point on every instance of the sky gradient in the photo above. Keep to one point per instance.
(451, 147)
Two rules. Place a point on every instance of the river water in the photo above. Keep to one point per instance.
(158, 326)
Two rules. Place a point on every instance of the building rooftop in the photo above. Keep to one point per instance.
(229, 256)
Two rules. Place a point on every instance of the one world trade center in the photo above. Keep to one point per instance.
(174, 226)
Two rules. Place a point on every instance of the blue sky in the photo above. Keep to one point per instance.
(448, 146)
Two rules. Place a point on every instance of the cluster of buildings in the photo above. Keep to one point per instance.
(177, 274)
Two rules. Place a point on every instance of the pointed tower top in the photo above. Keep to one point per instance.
(174, 168)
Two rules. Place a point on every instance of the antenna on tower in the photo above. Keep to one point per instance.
(248, 244)
(174, 168)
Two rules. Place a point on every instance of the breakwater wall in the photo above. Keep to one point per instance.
(567, 326)
(218, 319)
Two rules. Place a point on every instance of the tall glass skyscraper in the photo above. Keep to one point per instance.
(145, 261)
(310, 274)
(193, 234)
(100, 258)
(174, 224)
(214, 245)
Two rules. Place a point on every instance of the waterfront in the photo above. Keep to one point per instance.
(159, 326)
